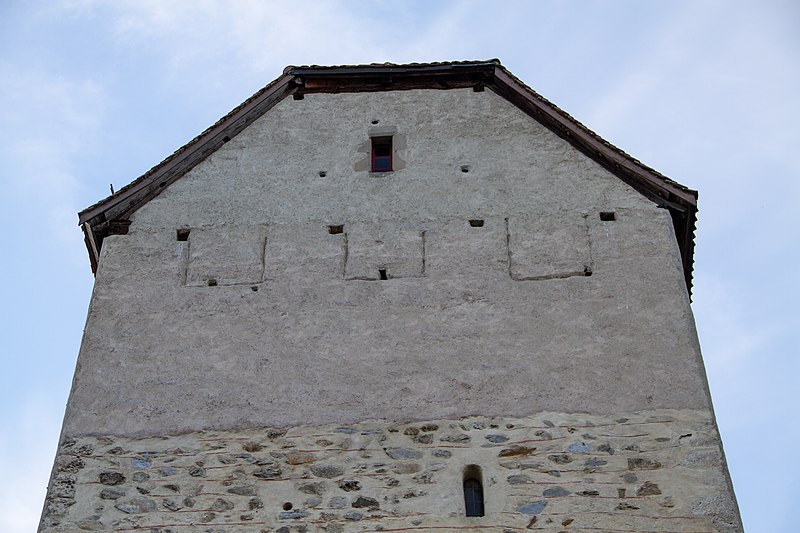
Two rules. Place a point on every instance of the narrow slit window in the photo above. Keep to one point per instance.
(381, 154)
(473, 491)
(473, 497)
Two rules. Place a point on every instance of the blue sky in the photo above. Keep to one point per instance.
(93, 93)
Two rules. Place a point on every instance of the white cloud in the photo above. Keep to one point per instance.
(249, 36)
(30, 437)
(209, 42)
(646, 81)
(47, 122)
(730, 338)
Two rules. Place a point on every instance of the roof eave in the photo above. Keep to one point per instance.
(129, 198)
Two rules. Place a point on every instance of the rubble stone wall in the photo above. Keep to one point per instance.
(655, 471)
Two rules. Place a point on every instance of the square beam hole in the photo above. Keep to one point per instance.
(476, 222)
(182, 234)
(336, 229)
(608, 216)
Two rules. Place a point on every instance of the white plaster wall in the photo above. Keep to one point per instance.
(270, 172)
(496, 320)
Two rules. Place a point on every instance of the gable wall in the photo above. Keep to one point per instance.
(496, 320)
(269, 172)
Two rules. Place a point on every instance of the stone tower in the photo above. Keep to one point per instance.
(392, 297)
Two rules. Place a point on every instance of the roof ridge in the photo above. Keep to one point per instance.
(494, 61)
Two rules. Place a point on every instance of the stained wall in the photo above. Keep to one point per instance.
(280, 319)
(544, 307)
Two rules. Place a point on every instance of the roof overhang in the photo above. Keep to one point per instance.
(113, 214)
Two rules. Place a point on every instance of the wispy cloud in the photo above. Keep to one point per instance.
(711, 63)
(212, 41)
(48, 121)
(30, 437)
(730, 337)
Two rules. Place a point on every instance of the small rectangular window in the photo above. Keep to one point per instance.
(381, 154)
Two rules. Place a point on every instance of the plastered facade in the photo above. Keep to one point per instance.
(497, 274)
(492, 320)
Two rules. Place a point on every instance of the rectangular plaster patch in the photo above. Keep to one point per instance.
(225, 255)
(308, 252)
(456, 249)
(384, 251)
(548, 246)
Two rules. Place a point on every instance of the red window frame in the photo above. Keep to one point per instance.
(381, 154)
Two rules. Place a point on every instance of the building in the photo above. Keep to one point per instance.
(392, 297)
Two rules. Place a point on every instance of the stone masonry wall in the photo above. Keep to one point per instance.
(497, 272)
(655, 471)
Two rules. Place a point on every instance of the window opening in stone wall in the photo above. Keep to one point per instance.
(381, 154)
(473, 491)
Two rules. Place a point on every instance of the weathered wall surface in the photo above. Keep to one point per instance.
(465, 306)
(263, 317)
(655, 471)
(270, 172)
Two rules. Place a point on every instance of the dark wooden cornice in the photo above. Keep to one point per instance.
(112, 215)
